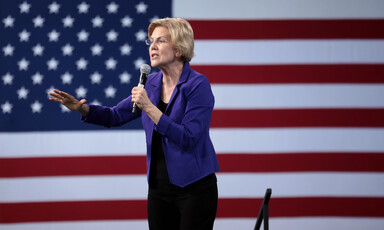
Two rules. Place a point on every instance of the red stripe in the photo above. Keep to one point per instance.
(227, 208)
(126, 165)
(271, 74)
(288, 29)
(302, 162)
(273, 118)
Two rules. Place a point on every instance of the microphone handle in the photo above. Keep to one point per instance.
(135, 107)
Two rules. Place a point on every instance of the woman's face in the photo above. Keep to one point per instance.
(161, 52)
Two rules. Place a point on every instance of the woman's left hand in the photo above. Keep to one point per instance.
(140, 97)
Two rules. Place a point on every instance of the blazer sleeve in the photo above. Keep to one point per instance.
(111, 116)
(197, 116)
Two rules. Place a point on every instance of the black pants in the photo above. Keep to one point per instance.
(190, 208)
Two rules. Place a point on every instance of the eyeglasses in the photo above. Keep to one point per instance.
(159, 41)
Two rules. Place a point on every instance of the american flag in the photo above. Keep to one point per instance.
(299, 108)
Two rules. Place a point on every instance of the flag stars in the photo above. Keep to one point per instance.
(83, 8)
(38, 50)
(141, 35)
(38, 21)
(141, 8)
(83, 36)
(7, 79)
(97, 21)
(23, 64)
(82, 64)
(22, 93)
(54, 8)
(112, 36)
(125, 78)
(67, 50)
(53, 36)
(125, 50)
(24, 36)
(8, 21)
(126, 21)
(24, 7)
(139, 62)
(110, 92)
(66, 78)
(52, 64)
(64, 109)
(96, 78)
(96, 50)
(8, 50)
(81, 92)
(95, 102)
(111, 64)
(36, 107)
(112, 8)
(37, 79)
(6, 107)
(68, 21)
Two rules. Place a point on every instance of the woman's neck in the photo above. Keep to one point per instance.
(172, 73)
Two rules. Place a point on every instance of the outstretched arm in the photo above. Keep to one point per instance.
(70, 102)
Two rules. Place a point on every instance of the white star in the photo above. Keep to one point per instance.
(125, 78)
(68, 21)
(97, 21)
(95, 102)
(7, 107)
(82, 64)
(66, 78)
(125, 49)
(7, 79)
(139, 62)
(49, 90)
(8, 50)
(24, 7)
(23, 64)
(141, 8)
(37, 50)
(54, 8)
(37, 78)
(126, 21)
(36, 107)
(38, 21)
(81, 92)
(96, 78)
(112, 8)
(8, 21)
(67, 50)
(96, 50)
(140, 36)
(110, 92)
(24, 36)
(64, 109)
(53, 36)
(52, 64)
(23, 93)
(83, 36)
(154, 18)
(112, 36)
(111, 63)
(83, 8)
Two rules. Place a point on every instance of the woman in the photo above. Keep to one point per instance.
(176, 107)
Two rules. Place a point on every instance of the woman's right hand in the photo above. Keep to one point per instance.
(70, 102)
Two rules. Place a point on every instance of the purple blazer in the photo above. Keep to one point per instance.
(188, 150)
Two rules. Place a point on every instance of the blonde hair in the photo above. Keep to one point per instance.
(181, 35)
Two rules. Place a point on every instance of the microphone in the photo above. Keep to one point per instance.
(144, 71)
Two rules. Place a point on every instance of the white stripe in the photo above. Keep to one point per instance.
(337, 223)
(277, 9)
(249, 52)
(231, 185)
(329, 223)
(247, 140)
(250, 96)
(293, 140)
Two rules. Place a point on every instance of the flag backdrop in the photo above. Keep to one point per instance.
(299, 108)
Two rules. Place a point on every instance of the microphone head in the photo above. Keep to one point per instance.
(145, 69)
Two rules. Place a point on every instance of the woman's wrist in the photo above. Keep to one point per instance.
(83, 110)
